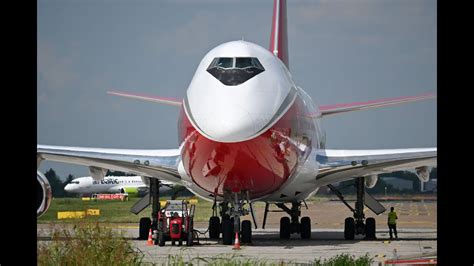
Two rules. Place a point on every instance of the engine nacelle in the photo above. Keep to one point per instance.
(129, 190)
(44, 194)
(370, 181)
(423, 173)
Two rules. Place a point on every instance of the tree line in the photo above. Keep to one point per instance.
(57, 186)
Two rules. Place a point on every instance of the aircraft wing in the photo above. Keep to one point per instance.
(152, 163)
(340, 165)
(150, 98)
(325, 110)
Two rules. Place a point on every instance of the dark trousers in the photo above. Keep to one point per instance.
(394, 228)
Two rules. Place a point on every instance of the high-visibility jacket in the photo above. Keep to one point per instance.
(392, 218)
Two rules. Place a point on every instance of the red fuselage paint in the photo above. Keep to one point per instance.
(259, 165)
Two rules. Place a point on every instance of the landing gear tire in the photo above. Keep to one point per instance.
(145, 224)
(246, 232)
(161, 239)
(285, 228)
(227, 229)
(349, 228)
(305, 227)
(214, 227)
(189, 239)
(370, 228)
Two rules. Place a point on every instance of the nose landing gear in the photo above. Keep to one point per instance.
(231, 220)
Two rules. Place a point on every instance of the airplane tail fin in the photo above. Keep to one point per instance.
(279, 37)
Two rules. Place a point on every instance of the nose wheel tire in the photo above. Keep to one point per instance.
(214, 227)
(227, 230)
(246, 232)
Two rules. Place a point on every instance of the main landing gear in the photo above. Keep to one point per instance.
(152, 198)
(289, 226)
(358, 224)
(231, 224)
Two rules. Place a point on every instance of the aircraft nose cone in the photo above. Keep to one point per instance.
(67, 188)
(228, 123)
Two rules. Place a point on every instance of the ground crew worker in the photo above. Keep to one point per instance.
(392, 222)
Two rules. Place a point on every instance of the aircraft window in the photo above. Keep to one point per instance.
(256, 63)
(234, 71)
(224, 62)
(243, 62)
(74, 182)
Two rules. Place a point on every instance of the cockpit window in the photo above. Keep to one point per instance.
(74, 182)
(233, 71)
(243, 62)
(224, 62)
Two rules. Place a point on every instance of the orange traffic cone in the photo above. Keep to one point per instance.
(237, 242)
(149, 242)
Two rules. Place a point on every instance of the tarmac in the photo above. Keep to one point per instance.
(417, 238)
(325, 243)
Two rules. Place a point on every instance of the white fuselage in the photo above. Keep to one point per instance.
(110, 184)
(254, 135)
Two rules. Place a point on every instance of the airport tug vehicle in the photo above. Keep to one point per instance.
(175, 223)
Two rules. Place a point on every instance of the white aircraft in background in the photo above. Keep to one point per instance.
(248, 133)
(132, 185)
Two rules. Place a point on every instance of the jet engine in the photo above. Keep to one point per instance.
(44, 194)
(370, 181)
(423, 173)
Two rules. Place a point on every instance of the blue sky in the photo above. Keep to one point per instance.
(339, 51)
